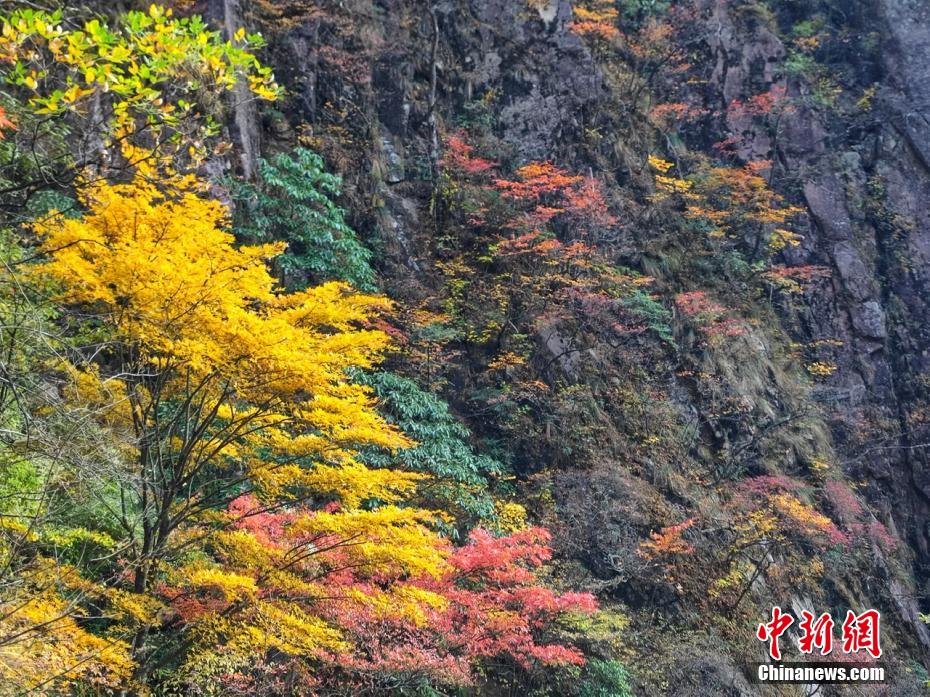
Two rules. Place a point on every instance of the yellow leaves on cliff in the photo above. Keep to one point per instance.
(748, 193)
(158, 266)
(353, 483)
(668, 185)
(350, 482)
(821, 369)
(230, 584)
(736, 197)
(596, 20)
(779, 513)
(42, 640)
(144, 64)
(403, 602)
(726, 200)
(755, 526)
(106, 398)
(660, 165)
(290, 630)
(673, 185)
(390, 539)
(781, 238)
(805, 518)
(258, 628)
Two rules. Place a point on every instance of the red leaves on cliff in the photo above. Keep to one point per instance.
(482, 602)
(460, 157)
(497, 606)
(538, 193)
(773, 101)
(709, 316)
(587, 207)
(855, 519)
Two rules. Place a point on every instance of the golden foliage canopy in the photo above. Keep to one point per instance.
(157, 266)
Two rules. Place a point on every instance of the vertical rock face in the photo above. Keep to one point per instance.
(862, 176)
(543, 78)
(866, 184)
(245, 126)
(906, 57)
(902, 227)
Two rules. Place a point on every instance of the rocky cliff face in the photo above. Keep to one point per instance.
(863, 178)
(376, 85)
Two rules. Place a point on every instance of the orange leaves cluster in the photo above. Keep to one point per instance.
(710, 316)
(535, 180)
(794, 279)
(545, 191)
(745, 190)
(586, 204)
(528, 265)
(667, 541)
(5, 123)
(804, 274)
(655, 44)
(542, 246)
(667, 115)
(597, 20)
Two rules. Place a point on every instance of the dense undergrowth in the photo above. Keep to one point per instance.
(566, 444)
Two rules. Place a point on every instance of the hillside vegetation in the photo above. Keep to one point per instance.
(488, 347)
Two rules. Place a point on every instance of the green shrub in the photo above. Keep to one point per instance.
(293, 201)
(652, 312)
(442, 450)
(638, 11)
(799, 64)
(605, 679)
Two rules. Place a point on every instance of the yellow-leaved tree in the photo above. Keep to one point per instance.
(213, 384)
(156, 73)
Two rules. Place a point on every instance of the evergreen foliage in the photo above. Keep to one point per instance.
(442, 445)
(293, 201)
